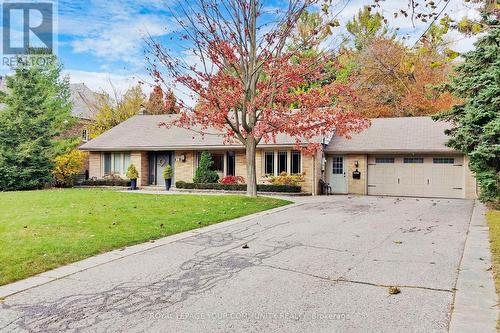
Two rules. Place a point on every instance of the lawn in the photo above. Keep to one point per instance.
(41, 230)
(493, 218)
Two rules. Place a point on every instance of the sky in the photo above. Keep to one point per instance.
(103, 41)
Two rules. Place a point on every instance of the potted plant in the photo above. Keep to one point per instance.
(132, 174)
(167, 175)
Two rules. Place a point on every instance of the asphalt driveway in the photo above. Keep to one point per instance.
(322, 265)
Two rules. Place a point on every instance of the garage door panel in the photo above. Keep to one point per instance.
(430, 176)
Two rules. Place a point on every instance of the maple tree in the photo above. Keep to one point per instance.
(247, 79)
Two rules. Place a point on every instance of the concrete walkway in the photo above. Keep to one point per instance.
(324, 264)
(476, 303)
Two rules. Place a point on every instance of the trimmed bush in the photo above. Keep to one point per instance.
(238, 187)
(204, 172)
(168, 172)
(230, 180)
(132, 172)
(106, 182)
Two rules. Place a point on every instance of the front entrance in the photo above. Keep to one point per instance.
(157, 163)
(338, 176)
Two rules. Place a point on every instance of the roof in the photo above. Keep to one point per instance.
(142, 132)
(84, 101)
(393, 135)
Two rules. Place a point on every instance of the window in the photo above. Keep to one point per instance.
(269, 163)
(85, 135)
(231, 164)
(107, 164)
(116, 163)
(384, 160)
(338, 165)
(217, 158)
(413, 160)
(282, 161)
(296, 162)
(443, 160)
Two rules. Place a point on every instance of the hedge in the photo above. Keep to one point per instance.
(238, 187)
(105, 182)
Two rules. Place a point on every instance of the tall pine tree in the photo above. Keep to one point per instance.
(38, 109)
(476, 129)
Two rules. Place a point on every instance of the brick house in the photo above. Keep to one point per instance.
(395, 156)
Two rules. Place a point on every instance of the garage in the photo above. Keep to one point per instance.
(405, 156)
(421, 176)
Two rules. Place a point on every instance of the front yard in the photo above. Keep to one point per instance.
(41, 230)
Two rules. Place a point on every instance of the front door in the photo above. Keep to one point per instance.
(157, 163)
(339, 179)
(162, 160)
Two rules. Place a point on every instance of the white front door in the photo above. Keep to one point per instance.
(338, 178)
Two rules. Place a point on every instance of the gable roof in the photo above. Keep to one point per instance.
(393, 135)
(142, 132)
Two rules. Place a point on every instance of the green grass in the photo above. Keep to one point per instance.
(493, 218)
(41, 230)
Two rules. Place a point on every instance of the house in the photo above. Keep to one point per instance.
(395, 156)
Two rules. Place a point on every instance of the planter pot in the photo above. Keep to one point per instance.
(133, 184)
(168, 184)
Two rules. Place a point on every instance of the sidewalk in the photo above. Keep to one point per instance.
(476, 304)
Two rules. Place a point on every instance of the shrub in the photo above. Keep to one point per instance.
(167, 172)
(67, 167)
(107, 181)
(286, 179)
(204, 173)
(238, 187)
(230, 180)
(132, 172)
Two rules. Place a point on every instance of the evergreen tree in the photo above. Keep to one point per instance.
(38, 109)
(476, 130)
(204, 172)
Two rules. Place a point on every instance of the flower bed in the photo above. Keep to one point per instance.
(238, 187)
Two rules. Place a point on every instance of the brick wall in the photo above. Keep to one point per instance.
(184, 171)
(95, 165)
(140, 160)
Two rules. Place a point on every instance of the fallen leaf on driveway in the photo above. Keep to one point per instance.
(398, 242)
(394, 290)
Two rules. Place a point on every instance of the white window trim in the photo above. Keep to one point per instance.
(276, 157)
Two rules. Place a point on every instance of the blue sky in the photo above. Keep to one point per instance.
(103, 40)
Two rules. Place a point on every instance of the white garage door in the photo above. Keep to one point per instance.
(426, 176)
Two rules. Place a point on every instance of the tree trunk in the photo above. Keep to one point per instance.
(251, 145)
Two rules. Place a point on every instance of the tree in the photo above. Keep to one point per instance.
(158, 103)
(366, 26)
(393, 79)
(112, 111)
(204, 172)
(246, 81)
(67, 167)
(38, 109)
(476, 121)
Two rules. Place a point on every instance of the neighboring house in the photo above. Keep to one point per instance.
(395, 156)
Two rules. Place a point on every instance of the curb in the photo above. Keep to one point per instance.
(101, 259)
